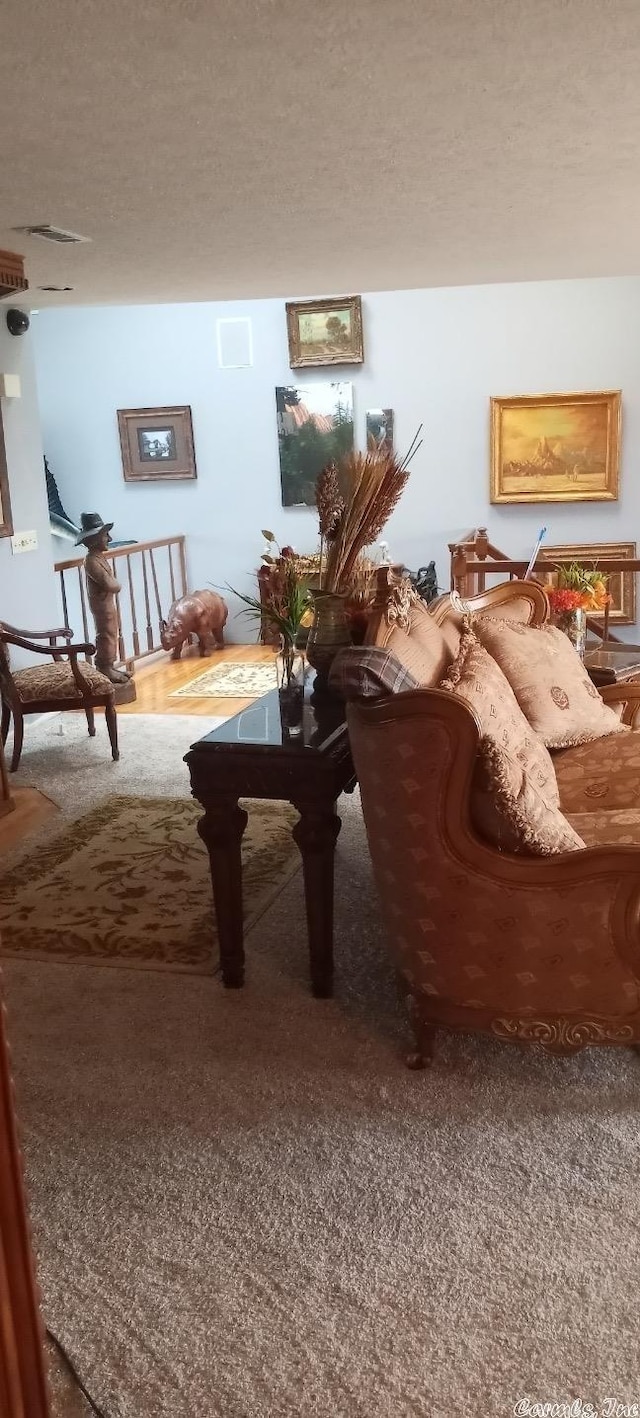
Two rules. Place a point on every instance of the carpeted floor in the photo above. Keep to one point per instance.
(77, 772)
(246, 1207)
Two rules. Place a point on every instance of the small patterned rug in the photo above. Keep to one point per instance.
(230, 681)
(129, 885)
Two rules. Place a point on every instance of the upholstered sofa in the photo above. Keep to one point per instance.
(528, 933)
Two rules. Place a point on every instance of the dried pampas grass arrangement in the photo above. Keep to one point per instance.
(355, 498)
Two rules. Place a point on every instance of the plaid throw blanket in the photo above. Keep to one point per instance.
(366, 671)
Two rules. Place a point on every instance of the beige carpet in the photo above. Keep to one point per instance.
(129, 884)
(233, 681)
(245, 1206)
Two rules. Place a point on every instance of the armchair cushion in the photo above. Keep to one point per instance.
(515, 801)
(549, 681)
(55, 681)
(366, 671)
(604, 774)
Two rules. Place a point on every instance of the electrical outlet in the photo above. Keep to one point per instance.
(24, 541)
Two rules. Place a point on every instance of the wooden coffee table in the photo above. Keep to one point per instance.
(252, 756)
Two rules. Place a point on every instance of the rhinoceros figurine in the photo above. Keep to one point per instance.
(200, 613)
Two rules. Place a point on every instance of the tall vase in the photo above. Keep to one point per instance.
(574, 625)
(290, 676)
(329, 633)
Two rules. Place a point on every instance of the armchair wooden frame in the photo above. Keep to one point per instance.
(89, 698)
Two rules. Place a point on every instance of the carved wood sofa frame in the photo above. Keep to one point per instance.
(443, 780)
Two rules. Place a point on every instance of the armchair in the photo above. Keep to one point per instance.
(61, 684)
(532, 950)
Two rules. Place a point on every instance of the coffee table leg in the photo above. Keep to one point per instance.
(316, 834)
(221, 830)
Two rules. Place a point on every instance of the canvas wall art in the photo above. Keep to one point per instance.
(157, 444)
(621, 585)
(315, 425)
(325, 331)
(555, 447)
(380, 429)
(6, 522)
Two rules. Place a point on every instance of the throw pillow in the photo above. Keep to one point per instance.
(514, 800)
(549, 681)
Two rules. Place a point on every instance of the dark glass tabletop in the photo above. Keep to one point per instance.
(261, 724)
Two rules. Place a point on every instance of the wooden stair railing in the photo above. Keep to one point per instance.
(151, 574)
(474, 558)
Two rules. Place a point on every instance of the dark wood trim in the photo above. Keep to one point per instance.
(6, 519)
(23, 1385)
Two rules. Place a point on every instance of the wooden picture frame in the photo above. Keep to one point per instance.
(23, 1384)
(555, 447)
(325, 331)
(621, 585)
(157, 444)
(6, 520)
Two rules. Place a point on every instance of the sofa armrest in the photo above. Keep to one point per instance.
(628, 695)
(459, 912)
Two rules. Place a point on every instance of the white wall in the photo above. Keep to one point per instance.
(434, 356)
(28, 592)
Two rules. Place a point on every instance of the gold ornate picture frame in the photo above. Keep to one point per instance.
(555, 447)
(621, 585)
(325, 331)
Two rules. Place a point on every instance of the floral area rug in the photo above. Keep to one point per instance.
(230, 681)
(128, 884)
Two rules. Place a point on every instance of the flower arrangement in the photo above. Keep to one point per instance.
(578, 588)
(288, 600)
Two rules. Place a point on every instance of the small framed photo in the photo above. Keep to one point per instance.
(157, 444)
(325, 331)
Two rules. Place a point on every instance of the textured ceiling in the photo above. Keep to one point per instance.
(237, 148)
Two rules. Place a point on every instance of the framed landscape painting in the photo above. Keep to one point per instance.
(621, 585)
(157, 444)
(315, 425)
(555, 447)
(325, 331)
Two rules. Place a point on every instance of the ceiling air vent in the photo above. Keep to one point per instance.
(53, 233)
(56, 288)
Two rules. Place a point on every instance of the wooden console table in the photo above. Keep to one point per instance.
(252, 756)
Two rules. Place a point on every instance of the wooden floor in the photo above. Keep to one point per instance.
(156, 679)
(31, 809)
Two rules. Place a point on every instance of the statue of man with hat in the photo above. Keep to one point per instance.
(102, 589)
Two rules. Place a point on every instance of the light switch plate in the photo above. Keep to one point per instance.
(9, 386)
(24, 541)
